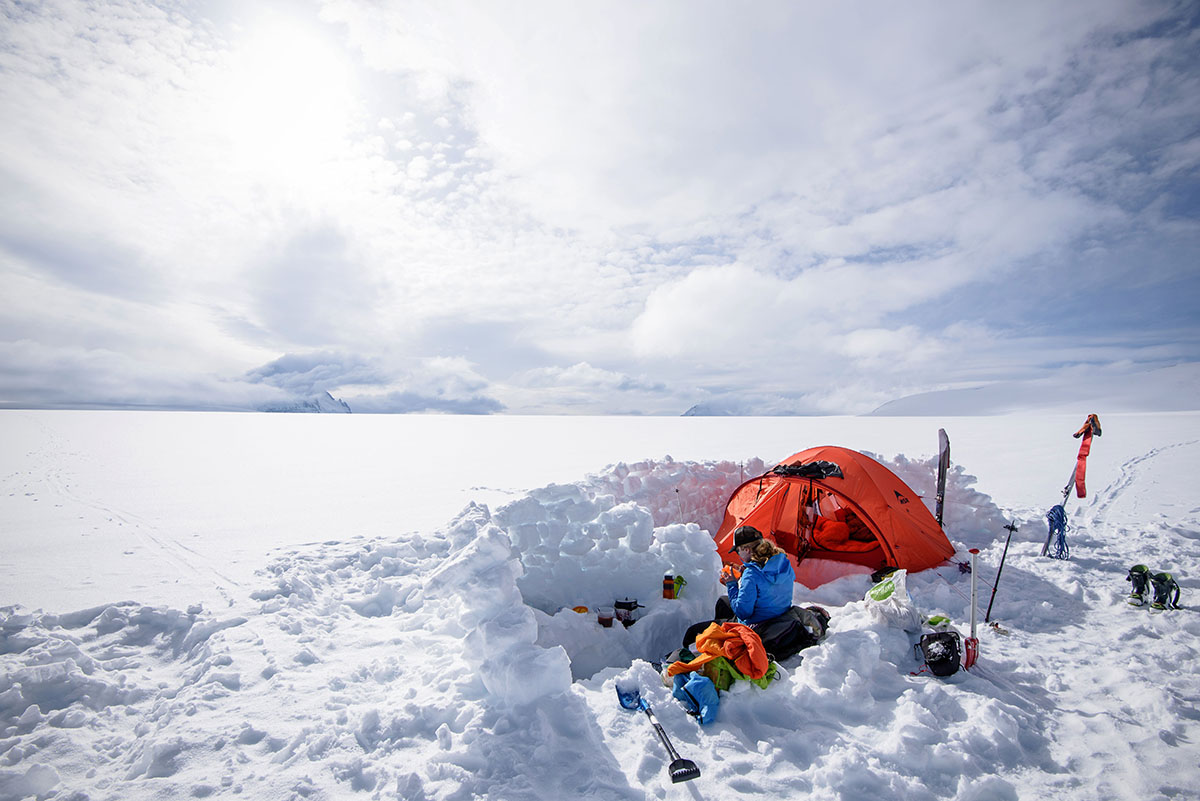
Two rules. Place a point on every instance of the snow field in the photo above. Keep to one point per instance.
(448, 664)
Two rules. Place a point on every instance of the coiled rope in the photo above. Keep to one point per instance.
(1057, 517)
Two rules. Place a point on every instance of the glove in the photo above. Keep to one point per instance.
(730, 573)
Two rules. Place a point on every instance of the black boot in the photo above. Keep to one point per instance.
(1166, 592)
(1139, 576)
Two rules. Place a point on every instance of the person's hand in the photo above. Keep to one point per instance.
(730, 573)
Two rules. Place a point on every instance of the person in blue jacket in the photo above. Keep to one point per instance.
(761, 592)
(764, 590)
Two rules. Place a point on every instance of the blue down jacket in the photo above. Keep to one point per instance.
(698, 695)
(763, 592)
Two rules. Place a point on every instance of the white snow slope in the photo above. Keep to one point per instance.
(151, 647)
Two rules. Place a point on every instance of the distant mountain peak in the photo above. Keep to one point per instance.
(317, 404)
(708, 410)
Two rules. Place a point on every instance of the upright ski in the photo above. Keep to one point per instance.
(943, 468)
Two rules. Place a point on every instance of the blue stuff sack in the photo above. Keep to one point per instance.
(698, 696)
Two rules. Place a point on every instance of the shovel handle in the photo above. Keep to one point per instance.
(662, 734)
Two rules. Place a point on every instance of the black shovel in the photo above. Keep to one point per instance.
(681, 769)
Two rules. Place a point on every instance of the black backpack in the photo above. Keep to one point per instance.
(793, 631)
(942, 652)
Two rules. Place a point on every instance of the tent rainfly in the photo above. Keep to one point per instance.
(831, 504)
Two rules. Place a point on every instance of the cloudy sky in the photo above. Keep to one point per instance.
(618, 207)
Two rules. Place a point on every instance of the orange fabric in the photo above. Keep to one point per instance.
(1085, 447)
(835, 536)
(858, 530)
(830, 533)
(738, 643)
(1092, 424)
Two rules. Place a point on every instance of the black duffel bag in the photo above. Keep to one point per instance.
(793, 631)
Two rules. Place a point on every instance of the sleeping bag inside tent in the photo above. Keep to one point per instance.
(834, 505)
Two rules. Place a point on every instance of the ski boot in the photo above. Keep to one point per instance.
(1164, 586)
(1139, 576)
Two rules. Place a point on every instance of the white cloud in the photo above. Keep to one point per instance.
(584, 389)
(710, 311)
(622, 113)
(738, 314)
(431, 385)
(37, 375)
(581, 374)
(875, 348)
(700, 198)
(418, 168)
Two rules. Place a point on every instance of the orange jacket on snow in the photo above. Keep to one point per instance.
(738, 643)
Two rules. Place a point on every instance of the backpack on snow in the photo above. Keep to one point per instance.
(942, 652)
(793, 631)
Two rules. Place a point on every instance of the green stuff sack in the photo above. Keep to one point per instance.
(890, 603)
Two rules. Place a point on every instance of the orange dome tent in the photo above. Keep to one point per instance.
(831, 503)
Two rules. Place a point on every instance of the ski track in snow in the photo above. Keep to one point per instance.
(1131, 472)
(1126, 695)
(57, 484)
(444, 665)
(175, 553)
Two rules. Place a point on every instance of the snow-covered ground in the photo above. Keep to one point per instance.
(309, 606)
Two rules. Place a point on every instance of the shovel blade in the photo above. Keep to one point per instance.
(683, 770)
(629, 696)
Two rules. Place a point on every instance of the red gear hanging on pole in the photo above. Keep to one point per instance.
(1058, 515)
(1092, 426)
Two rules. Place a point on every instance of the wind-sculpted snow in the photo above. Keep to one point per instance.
(451, 664)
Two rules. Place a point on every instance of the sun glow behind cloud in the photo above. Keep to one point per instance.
(287, 100)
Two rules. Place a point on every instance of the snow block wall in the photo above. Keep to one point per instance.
(478, 583)
(614, 536)
(970, 517)
(676, 492)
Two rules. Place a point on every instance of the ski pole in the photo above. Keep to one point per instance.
(1011, 530)
(973, 641)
